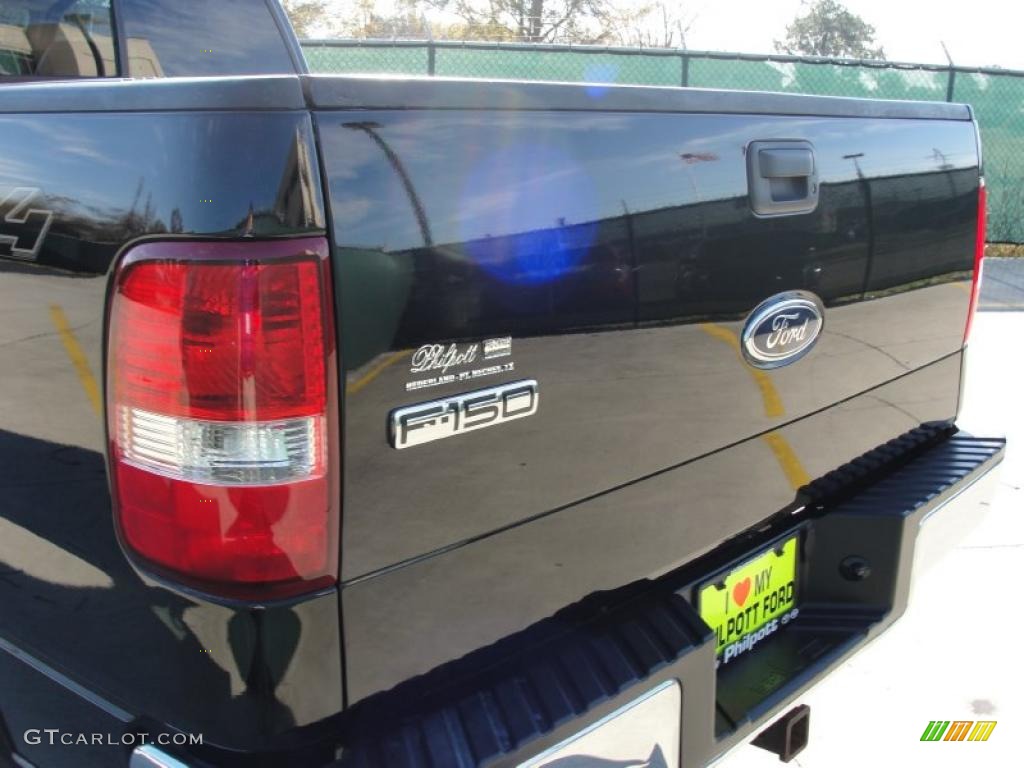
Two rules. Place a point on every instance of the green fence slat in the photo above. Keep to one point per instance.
(366, 61)
(998, 103)
(562, 66)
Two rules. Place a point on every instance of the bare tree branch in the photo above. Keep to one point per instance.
(656, 23)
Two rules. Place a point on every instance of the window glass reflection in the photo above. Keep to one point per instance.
(43, 38)
(195, 38)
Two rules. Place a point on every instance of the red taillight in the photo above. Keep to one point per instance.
(979, 259)
(220, 400)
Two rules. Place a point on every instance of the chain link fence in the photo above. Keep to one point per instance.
(997, 96)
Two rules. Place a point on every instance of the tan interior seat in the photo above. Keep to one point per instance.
(14, 44)
(143, 61)
(62, 50)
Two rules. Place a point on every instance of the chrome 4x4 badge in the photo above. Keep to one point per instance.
(417, 424)
(22, 227)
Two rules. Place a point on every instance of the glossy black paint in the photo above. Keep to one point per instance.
(242, 675)
(341, 92)
(471, 596)
(619, 252)
(220, 94)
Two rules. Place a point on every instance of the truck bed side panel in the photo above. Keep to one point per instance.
(99, 180)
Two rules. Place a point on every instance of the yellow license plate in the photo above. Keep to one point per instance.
(751, 602)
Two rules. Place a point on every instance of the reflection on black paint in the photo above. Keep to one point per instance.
(600, 242)
(279, 196)
(539, 224)
(639, 399)
(262, 644)
(195, 38)
(239, 675)
(70, 519)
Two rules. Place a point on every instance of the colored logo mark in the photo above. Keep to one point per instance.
(958, 730)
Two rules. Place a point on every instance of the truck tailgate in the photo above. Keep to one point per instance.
(616, 253)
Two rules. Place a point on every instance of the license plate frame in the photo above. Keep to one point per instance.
(750, 601)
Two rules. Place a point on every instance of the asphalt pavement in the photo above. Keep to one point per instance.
(1003, 285)
(955, 655)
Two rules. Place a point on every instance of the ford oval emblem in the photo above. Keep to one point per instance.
(782, 329)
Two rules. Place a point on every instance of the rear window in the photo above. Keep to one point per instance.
(200, 38)
(56, 38)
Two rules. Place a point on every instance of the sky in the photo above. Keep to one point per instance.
(976, 32)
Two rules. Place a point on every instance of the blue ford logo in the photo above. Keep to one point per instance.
(782, 329)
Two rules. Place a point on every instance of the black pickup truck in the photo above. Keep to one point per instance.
(396, 422)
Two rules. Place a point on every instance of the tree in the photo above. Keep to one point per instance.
(533, 21)
(655, 25)
(829, 29)
(305, 14)
(363, 19)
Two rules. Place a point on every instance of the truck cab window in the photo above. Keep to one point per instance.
(64, 39)
(199, 38)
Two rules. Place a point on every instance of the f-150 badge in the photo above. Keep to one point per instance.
(425, 422)
(782, 329)
(22, 227)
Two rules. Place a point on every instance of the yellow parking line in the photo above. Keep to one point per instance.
(770, 395)
(787, 458)
(374, 372)
(78, 359)
(780, 447)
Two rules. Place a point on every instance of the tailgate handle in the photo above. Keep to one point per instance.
(785, 163)
(782, 177)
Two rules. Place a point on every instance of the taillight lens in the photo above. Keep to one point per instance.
(220, 408)
(979, 258)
